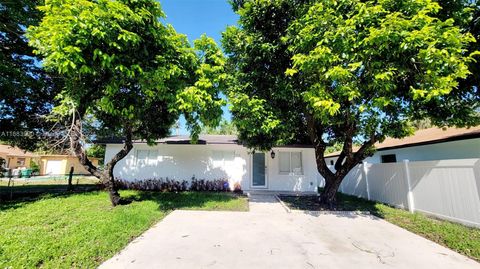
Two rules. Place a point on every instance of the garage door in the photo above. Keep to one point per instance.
(54, 167)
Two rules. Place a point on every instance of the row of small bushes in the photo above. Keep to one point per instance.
(169, 185)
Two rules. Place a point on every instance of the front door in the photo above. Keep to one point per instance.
(258, 173)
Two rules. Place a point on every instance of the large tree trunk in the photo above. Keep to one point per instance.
(332, 181)
(109, 182)
(345, 162)
(106, 177)
(328, 195)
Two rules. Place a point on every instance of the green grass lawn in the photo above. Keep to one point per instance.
(48, 181)
(462, 239)
(31, 188)
(83, 230)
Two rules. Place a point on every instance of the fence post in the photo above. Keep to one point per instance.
(70, 176)
(365, 174)
(410, 200)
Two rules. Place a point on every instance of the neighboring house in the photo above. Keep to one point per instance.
(17, 158)
(426, 145)
(290, 168)
(61, 164)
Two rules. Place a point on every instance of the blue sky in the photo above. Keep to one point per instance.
(196, 17)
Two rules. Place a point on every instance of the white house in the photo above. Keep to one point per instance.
(426, 145)
(290, 168)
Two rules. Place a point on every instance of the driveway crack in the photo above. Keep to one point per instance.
(379, 255)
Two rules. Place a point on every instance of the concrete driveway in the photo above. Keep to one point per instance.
(269, 237)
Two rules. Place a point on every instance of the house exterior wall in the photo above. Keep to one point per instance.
(307, 181)
(461, 149)
(182, 162)
(11, 162)
(78, 169)
(65, 163)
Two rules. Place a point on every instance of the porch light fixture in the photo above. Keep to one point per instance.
(272, 154)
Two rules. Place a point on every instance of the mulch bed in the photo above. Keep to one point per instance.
(311, 203)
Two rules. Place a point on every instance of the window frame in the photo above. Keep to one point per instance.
(148, 158)
(21, 161)
(291, 171)
(222, 162)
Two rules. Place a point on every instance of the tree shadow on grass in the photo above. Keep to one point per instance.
(183, 200)
(18, 196)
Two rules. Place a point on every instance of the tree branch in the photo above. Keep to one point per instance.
(360, 154)
(315, 132)
(76, 139)
(127, 146)
(349, 132)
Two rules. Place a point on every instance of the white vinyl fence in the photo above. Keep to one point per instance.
(448, 189)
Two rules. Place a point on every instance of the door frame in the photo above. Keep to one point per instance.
(266, 172)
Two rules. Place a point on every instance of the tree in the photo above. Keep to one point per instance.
(26, 90)
(128, 71)
(225, 128)
(466, 15)
(264, 102)
(421, 124)
(348, 72)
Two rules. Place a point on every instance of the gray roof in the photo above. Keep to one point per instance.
(183, 139)
(202, 140)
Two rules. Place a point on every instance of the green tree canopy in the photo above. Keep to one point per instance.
(26, 90)
(466, 15)
(224, 128)
(129, 71)
(346, 72)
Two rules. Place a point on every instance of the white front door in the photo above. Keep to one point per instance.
(259, 179)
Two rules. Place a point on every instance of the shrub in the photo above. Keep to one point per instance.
(168, 185)
(35, 167)
(237, 188)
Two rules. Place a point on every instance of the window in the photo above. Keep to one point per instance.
(21, 161)
(389, 158)
(146, 157)
(331, 162)
(220, 158)
(290, 162)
